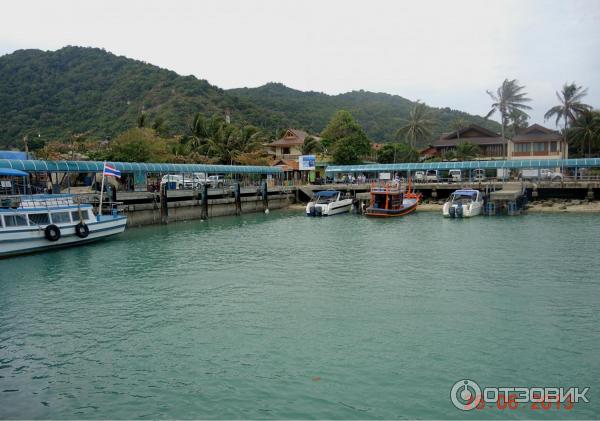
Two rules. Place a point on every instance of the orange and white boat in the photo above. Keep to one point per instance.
(390, 200)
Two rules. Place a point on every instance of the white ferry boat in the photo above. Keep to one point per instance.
(328, 202)
(40, 222)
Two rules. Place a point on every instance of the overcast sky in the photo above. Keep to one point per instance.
(446, 53)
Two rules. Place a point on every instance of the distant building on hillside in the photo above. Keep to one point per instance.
(290, 145)
(538, 142)
(490, 143)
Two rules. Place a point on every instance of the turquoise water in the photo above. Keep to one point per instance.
(283, 316)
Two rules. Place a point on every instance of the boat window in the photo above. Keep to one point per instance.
(60, 218)
(461, 197)
(39, 218)
(15, 220)
(75, 215)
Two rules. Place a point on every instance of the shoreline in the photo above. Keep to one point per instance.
(544, 206)
(541, 206)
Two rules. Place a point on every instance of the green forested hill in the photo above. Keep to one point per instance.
(75, 90)
(379, 114)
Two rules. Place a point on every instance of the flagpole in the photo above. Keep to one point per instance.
(101, 190)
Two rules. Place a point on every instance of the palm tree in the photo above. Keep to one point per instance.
(457, 125)
(585, 129)
(466, 151)
(418, 127)
(509, 97)
(518, 121)
(311, 145)
(570, 106)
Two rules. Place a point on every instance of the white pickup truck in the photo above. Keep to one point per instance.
(542, 174)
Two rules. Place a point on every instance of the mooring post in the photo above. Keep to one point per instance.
(265, 195)
(238, 198)
(204, 203)
(164, 204)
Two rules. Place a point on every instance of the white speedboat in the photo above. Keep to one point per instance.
(463, 203)
(40, 222)
(327, 203)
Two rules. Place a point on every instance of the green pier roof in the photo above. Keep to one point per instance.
(466, 165)
(129, 167)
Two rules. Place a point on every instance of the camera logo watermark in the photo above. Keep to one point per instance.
(467, 395)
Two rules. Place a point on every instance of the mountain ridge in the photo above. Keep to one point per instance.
(90, 90)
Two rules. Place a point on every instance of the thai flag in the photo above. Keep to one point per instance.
(111, 171)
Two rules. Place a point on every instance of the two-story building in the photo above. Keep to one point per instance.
(289, 146)
(491, 144)
(538, 142)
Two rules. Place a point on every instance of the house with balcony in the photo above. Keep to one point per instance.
(538, 142)
(289, 146)
(491, 144)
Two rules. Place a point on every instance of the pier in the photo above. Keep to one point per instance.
(258, 188)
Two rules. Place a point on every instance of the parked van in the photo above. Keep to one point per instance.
(455, 176)
(419, 176)
(431, 176)
(479, 174)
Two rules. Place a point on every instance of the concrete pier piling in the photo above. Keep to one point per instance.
(204, 202)
(164, 204)
(238, 198)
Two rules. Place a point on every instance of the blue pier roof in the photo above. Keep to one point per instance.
(129, 167)
(466, 165)
(12, 172)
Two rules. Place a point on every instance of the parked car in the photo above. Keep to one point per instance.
(419, 176)
(216, 181)
(176, 181)
(547, 174)
(455, 176)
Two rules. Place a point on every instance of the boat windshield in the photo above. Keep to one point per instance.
(326, 197)
(463, 197)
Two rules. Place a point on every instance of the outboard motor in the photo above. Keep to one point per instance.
(459, 210)
(452, 211)
(311, 211)
(318, 211)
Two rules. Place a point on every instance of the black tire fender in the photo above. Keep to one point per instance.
(52, 233)
(82, 230)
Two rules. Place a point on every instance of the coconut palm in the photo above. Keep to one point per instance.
(585, 130)
(508, 98)
(518, 121)
(570, 106)
(465, 151)
(311, 146)
(457, 125)
(418, 127)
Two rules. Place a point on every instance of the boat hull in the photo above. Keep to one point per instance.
(330, 209)
(451, 211)
(409, 206)
(32, 239)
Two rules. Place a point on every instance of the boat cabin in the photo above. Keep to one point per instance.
(327, 196)
(26, 212)
(386, 198)
(465, 196)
